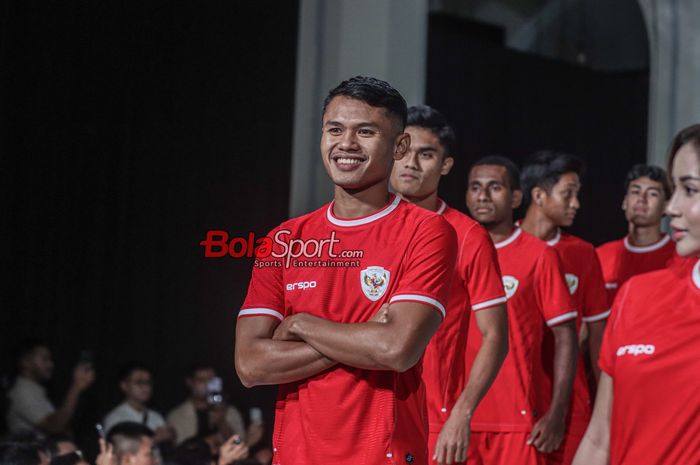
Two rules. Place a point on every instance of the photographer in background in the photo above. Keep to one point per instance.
(136, 382)
(30, 409)
(205, 412)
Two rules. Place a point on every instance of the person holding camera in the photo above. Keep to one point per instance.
(206, 413)
(29, 407)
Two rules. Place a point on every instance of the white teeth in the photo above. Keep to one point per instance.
(348, 161)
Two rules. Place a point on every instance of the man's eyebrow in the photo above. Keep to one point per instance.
(425, 148)
(364, 124)
(689, 177)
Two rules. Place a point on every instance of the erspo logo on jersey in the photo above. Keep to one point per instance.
(281, 250)
(636, 349)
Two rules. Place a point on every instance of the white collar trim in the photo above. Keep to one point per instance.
(556, 239)
(364, 220)
(696, 274)
(505, 242)
(442, 207)
(646, 248)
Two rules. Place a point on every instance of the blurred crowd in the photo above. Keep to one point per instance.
(205, 429)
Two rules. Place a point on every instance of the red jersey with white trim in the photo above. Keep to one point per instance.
(585, 280)
(650, 349)
(621, 260)
(537, 297)
(476, 286)
(348, 415)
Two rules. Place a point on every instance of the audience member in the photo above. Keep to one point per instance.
(30, 408)
(204, 414)
(136, 383)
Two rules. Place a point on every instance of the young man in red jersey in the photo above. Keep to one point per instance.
(645, 248)
(349, 373)
(477, 287)
(522, 416)
(551, 183)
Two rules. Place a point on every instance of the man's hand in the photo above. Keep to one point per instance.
(254, 433)
(283, 332)
(232, 450)
(83, 376)
(548, 432)
(452, 443)
(382, 315)
(106, 456)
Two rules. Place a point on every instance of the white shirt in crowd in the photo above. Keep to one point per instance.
(28, 405)
(125, 412)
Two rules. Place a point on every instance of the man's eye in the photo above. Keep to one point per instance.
(334, 131)
(365, 132)
(426, 155)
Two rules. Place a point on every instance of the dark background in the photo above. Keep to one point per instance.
(128, 131)
(504, 102)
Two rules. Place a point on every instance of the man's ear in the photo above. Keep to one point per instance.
(122, 386)
(447, 164)
(517, 199)
(624, 203)
(538, 196)
(403, 142)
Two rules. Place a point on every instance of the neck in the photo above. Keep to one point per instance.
(429, 202)
(199, 404)
(136, 405)
(357, 203)
(30, 376)
(539, 225)
(642, 236)
(500, 231)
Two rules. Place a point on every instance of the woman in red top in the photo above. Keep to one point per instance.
(647, 409)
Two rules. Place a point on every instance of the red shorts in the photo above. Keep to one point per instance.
(566, 452)
(491, 448)
(432, 439)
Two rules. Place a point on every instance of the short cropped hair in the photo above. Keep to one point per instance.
(128, 368)
(423, 116)
(544, 169)
(652, 172)
(126, 437)
(19, 453)
(511, 168)
(374, 92)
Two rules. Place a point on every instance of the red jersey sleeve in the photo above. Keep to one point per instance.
(429, 265)
(552, 291)
(484, 281)
(608, 347)
(595, 297)
(266, 289)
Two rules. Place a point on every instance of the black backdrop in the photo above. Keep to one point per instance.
(509, 103)
(129, 129)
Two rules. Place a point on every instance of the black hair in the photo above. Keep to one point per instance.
(655, 173)
(197, 366)
(689, 135)
(27, 346)
(126, 437)
(544, 169)
(193, 451)
(128, 368)
(19, 453)
(51, 442)
(374, 92)
(429, 118)
(511, 168)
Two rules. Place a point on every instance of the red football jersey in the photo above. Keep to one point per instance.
(650, 350)
(348, 415)
(585, 280)
(537, 297)
(476, 286)
(621, 260)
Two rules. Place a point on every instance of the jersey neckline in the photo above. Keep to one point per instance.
(646, 248)
(505, 242)
(557, 238)
(363, 219)
(441, 208)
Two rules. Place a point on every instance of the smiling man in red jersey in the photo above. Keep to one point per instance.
(645, 248)
(349, 372)
(518, 421)
(551, 183)
(477, 288)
